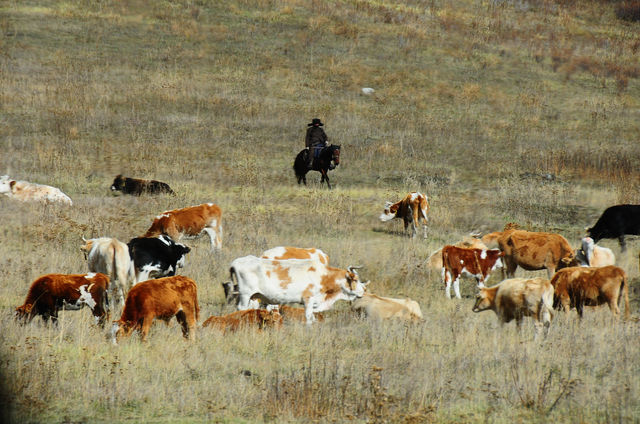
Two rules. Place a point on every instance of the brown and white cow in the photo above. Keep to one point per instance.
(190, 222)
(517, 298)
(137, 186)
(305, 281)
(52, 292)
(411, 209)
(534, 251)
(586, 286)
(380, 308)
(248, 318)
(434, 262)
(163, 298)
(475, 262)
(593, 255)
(111, 257)
(29, 192)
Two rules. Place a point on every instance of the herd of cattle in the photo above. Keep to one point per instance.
(139, 278)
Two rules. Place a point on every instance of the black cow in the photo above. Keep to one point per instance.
(155, 257)
(136, 186)
(615, 222)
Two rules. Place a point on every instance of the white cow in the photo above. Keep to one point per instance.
(593, 255)
(111, 257)
(28, 192)
(305, 281)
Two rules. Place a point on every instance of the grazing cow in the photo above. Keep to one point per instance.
(517, 298)
(52, 292)
(379, 308)
(413, 208)
(580, 286)
(288, 252)
(534, 251)
(136, 186)
(27, 192)
(616, 222)
(155, 257)
(164, 299)
(434, 262)
(475, 262)
(111, 257)
(593, 255)
(307, 281)
(248, 318)
(190, 223)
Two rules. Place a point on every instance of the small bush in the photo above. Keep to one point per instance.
(629, 11)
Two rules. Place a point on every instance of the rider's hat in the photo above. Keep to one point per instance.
(315, 121)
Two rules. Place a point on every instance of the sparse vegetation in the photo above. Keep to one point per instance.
(500, 111)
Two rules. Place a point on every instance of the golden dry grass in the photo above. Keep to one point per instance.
(475, 103)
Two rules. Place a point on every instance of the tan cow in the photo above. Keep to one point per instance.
(380, 308)
(534, 251)
(517, 298)
(434, 262)
(411, 209)
(248, 318)
(29, 192)
(586, 286)
(190, 223)
(52, 292)
(164, 298)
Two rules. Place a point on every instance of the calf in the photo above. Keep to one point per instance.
(580, 286)
(164, 299)
(616, 222)
(411, 209)
(379, 308)
(26, 192)
(52, 292)
(248, 318)
(517, 298)
(434, 262)
(155, 257)
(475, 262)
(111, 257)
(190, 223)
(136, 186)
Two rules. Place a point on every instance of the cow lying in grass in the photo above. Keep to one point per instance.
(32, 192)
(248, 318)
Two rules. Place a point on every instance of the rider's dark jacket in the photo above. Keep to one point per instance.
(315, 136)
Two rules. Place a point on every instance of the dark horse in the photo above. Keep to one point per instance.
(322, 163)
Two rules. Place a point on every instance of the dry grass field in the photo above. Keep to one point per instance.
(522, 111)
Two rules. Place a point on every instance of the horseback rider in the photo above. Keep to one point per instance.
(315, 139)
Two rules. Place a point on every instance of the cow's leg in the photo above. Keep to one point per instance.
(308, 311)
(446, 277)
(511, 266)
(144, 328)
(456, 287)
(216, 243)
(623, 245)
(613, 305)
(244, 302)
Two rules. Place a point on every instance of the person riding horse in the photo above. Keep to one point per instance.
(315, 140)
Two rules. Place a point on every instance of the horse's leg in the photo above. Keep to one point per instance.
(325, 177)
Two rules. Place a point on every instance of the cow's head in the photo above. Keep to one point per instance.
(390, 210)
(270, 317)
(483, 301)
(354, 287)
(120, 329)
(6, 184)
(23, 312)
(569, 260)
(181, 250)
(88, 244)
(118, 183)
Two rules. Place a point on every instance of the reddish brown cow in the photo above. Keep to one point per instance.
(475, 262)
(591, 286)
(190, 222)
(52, 292)
(164, 298)
(248, 318)
(534, 251)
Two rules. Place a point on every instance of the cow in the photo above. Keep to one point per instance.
(155, 257)
(51, 292)
(593, 255)
(587, 286)
(305, 281)
(517, 298)
(534, 251)
(248, 318)
(616, 222)
(163, 298)
(28, 192)
(434, 262)
(111, 257)
(380, 308)
(137, 187)
(190, 222)
(475, 262)
(411, 209)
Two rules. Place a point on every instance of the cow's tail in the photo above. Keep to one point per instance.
(624, 291)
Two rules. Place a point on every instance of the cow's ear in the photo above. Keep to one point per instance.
(12, 183)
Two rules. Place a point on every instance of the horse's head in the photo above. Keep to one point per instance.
(335, 154)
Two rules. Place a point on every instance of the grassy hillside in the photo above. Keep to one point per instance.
(500, 111)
